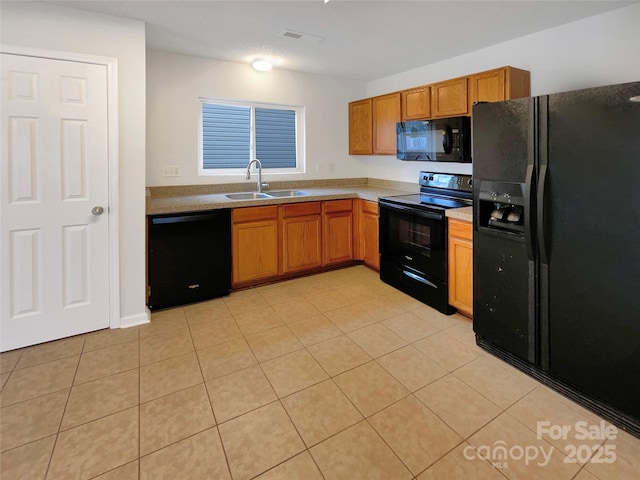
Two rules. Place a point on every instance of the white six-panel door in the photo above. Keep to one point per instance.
(54, 251)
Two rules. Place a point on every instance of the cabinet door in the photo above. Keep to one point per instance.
(499, 84)
(416, 103)
(255, 243)
(449, 98)
(461, 266)
(360, 128)
(369, 235)
(386, 113)
(301, 237)
(338, 245)
(371, 255)
(488, 86)
(338, 231)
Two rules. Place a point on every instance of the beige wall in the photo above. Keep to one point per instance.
(175, 82)
(55, 27)
(596, 51)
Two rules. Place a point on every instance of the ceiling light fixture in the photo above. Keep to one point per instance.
(262, 65)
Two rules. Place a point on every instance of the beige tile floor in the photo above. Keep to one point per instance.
(334, 376)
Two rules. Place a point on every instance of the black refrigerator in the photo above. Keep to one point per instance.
(556, 254)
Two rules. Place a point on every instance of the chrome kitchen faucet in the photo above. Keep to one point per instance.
(260, 184)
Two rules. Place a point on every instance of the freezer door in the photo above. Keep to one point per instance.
(590, 235)
(502, 140)
(504, 268)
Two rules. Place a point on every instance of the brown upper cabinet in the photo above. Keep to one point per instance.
(386, 113)
(372, 121)
(450, 98)
(499, 84)
(360, 128)
(416, 103)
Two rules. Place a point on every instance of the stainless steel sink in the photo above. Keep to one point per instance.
(262, 195)
(286, 193)
(246, 196)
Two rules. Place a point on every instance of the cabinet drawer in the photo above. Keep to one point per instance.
(370, 207)
(249, 214)
(460, 229)
(301, 209)
(338, 205)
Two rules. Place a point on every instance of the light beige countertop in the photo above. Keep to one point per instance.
(464, 213)
(183, 199)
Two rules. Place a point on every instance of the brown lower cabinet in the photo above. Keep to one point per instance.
(369, 250)
(461, 266)
(337, 231)
(301, 236)
(255, 243)
(283, 240)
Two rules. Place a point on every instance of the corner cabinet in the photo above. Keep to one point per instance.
(255, 243)
(301, 236)
(372, 125)
(461, 266)
(337, 231)
(360, 127)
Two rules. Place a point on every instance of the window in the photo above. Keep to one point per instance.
(233, 133)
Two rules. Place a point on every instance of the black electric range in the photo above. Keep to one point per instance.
(413, 237)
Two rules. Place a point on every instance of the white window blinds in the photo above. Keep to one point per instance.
(232, 135)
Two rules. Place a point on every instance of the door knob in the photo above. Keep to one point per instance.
(97, 210)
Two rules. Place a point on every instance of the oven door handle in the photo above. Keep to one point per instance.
(413, 211)
(419, 279)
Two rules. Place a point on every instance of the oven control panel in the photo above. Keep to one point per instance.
(447, 181)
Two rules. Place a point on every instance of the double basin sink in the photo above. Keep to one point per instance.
(258, 195)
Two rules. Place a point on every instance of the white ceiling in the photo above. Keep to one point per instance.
(363, 40)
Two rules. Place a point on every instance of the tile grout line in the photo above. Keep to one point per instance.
(451, 374)
(64, 410)
(204, 383)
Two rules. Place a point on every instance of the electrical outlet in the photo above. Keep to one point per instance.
(331, 167)
(171, 171)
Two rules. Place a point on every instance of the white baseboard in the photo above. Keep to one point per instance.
(133, 320)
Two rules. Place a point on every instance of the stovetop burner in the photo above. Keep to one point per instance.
(438, 191)
(424, 199)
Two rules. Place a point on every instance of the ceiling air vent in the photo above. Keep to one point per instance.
(292, 34)
(301, 36)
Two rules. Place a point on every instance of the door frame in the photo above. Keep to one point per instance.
(112, 157)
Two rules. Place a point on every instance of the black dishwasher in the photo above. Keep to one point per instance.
(189, 257)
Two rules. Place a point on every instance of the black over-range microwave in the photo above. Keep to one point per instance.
(437, 140)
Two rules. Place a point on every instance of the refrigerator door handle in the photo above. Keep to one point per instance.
(544, 257)
(528, 207)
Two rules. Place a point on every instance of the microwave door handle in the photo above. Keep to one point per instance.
(447, 139)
